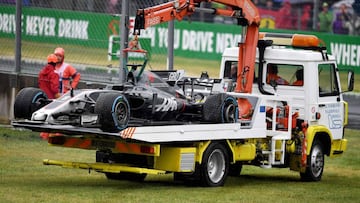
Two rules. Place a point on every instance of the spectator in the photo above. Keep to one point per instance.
(355, 28)
(68, 76)
(269, 5)
(48, 80)
(342, 22)
(285, 16)
(325, 19)
(112, 7)
(272, 75)
(305, 17)
(256, 2)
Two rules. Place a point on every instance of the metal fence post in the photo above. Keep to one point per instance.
(18, 36)
(124, 29)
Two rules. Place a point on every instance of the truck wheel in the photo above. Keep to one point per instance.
(114, 112)
(215, 166)
(220, 108)
(27, 101)
(315, 163)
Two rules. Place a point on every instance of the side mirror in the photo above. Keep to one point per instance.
(350, 80)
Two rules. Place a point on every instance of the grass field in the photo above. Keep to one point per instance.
(23, 178)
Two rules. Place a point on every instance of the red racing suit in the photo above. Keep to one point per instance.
(49, 81)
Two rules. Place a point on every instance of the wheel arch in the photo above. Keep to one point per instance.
(202, 146)
(320, 133)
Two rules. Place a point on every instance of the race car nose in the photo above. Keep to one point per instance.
(38, 117)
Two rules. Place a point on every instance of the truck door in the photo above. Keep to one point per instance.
(331, 106)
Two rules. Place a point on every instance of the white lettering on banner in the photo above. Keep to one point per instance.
(7, 23)
(75, 29)
(162, 37)
(197, 41)
(40, 26)
(346, 54)
(224, 40)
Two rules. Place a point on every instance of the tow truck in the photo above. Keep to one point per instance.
(279, 125)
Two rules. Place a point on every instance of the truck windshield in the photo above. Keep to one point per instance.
(285, 74)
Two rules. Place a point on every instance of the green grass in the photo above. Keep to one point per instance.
(23, 178)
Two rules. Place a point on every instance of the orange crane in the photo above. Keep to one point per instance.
(243, 10)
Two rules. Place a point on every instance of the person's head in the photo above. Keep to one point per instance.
(343, 8)
(299, 74)
(306, 8)
(325, 6)
(269, 4)
(286, 3)
(60, 53)
(52, 59)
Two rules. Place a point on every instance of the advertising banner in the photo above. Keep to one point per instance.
(203, 40)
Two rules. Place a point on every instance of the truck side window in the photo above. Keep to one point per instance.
(230, 70)
(327, 80)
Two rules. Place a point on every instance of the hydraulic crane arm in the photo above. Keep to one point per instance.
(243, 10)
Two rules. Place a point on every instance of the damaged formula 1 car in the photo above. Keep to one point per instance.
(146, 99)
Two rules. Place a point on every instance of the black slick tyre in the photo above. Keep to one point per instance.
(27, 101)
(114, 112)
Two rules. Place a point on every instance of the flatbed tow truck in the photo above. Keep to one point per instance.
(280, 125)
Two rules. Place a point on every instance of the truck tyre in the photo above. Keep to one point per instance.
(27, 101)
(220, 108)
(215, 166)
(114, 112)
(315, 163)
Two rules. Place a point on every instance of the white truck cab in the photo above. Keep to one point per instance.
(309, 78)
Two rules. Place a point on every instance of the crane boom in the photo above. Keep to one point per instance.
(243, 10)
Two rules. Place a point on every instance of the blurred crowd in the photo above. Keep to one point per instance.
(331, 16)
(339, 17)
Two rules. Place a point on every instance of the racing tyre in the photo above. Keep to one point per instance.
(220, 108)
(27, 101)
(315, 163)
(215, 166)
(114, 112)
